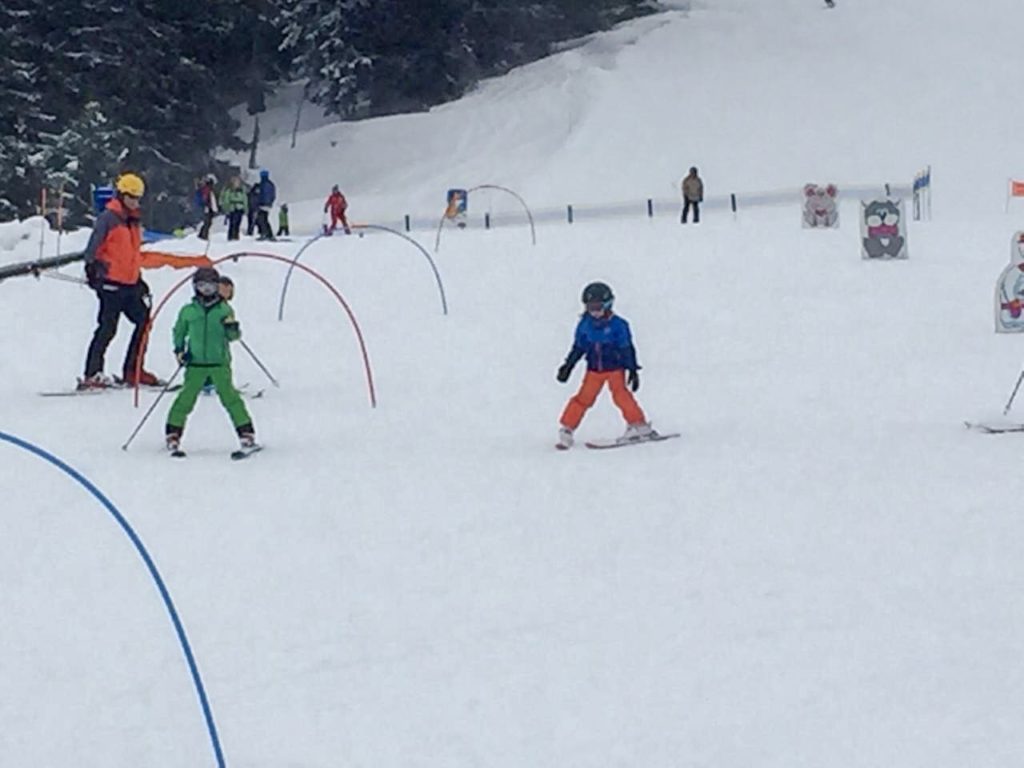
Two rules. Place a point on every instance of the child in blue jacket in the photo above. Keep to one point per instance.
(604, 339)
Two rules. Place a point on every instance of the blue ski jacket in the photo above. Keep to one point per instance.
(266, 194)
(606, 342)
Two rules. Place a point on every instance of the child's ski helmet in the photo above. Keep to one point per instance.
(598, 292)
(206, 281)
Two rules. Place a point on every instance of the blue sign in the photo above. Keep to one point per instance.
(100, 197)
(458, 201)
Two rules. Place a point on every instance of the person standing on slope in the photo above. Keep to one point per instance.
(337, 205)
(254, 206)
(283, 227)
(693, 195)
(113, 262)
(206, 196)
(266, 194)
(234, 201)
(605, 340)
(201, 335)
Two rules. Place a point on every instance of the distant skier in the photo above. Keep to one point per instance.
(204, 328)
(283, 229)
(265, 196)
(113, 263)
(605, 340)
(693, 196)
(830, 3)
(251, 211)
(206, 198)
(336, 205)
(234, 201)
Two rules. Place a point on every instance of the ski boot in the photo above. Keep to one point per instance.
(637, 433)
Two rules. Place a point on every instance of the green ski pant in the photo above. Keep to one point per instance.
(195, 378)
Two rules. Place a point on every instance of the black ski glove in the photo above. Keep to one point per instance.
(564, 372)
(96, 273)
(633, 379)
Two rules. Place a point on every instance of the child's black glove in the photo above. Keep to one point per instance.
(633, 379)
(564, 372)
(183, 357)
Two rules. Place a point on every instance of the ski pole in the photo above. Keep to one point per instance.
(62, 276)
(1009, 402)
(264, 368)
(145, 418)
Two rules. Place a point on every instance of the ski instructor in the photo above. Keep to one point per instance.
(113, 263)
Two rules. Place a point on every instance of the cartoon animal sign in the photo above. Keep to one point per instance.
(820, 206)
(1009, 302)
(883, 232)
(458, 202)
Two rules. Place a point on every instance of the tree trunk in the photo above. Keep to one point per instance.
(255, 141)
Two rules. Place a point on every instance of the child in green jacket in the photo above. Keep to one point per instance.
(282, 221)
(204, 328)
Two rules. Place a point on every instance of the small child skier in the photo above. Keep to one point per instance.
(336, 205)
(282, 221)
(604, 339)
(204, 328)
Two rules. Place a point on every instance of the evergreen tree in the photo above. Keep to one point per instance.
(365, 58)
(22, 113)
(87, 152)
(93, 87)
(321, 38)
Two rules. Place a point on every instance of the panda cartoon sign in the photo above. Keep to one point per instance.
(883, 231)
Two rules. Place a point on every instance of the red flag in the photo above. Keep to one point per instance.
(1016, 188)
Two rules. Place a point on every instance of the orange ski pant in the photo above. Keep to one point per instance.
(593, 382)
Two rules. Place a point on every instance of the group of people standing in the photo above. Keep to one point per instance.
(236, 203)
(254, 204)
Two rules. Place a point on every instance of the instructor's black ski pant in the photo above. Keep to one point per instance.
(235, 224)
(695, 205)
(263, 224)
(133, 302)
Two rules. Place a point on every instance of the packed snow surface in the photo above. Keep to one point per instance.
(824, 570)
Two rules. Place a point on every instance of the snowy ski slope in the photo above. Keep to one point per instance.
(824, 570)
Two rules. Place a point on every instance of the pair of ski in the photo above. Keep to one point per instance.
(116, 386)
(119, 385)
(236, 455)
(993, 429)
(622, 442)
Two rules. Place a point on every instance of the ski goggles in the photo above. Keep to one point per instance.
(207, 288)
(598, 308)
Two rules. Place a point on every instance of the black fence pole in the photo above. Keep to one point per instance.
(487, 221)
(568, 209)
(650, 208)
(732, 201)
(408, 226)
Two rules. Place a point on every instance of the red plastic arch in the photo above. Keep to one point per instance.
(274, 257)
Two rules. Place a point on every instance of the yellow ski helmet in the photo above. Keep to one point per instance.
(130, 184)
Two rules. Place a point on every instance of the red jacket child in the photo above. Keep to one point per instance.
(337, 204)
